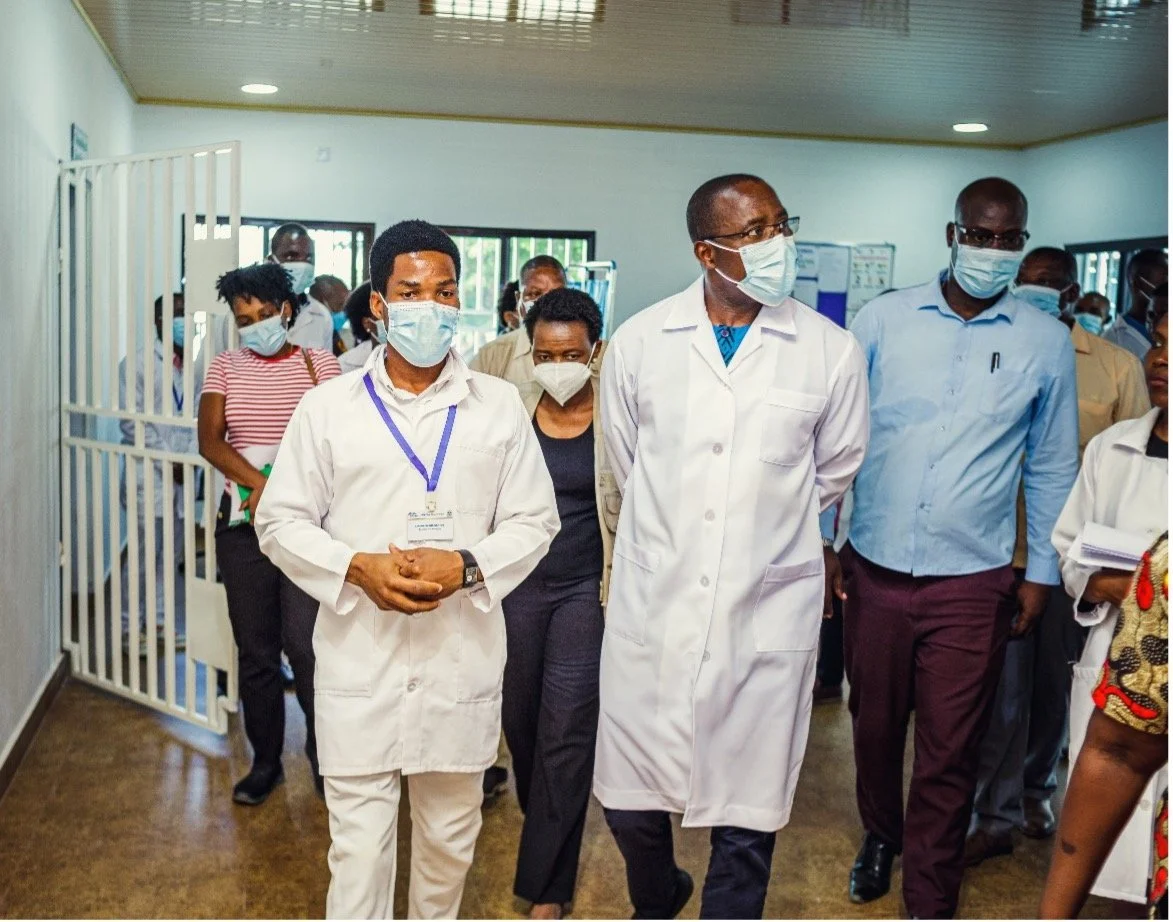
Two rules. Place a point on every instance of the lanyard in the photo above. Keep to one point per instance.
(177, 393)
(433, 479)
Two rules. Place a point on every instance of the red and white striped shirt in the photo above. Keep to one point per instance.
(260, 394)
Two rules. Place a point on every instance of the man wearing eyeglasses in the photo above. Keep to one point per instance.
(972, 390)
(733, 416)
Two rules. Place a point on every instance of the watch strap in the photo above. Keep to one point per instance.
(472, 570)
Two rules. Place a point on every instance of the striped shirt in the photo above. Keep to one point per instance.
(260, 394)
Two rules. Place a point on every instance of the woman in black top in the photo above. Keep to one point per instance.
(554, 620)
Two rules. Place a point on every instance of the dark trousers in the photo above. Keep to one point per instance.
(1022, 746)
(739, 866)
(269, 614)
(550, 714)
(936, 645)
(829, 670)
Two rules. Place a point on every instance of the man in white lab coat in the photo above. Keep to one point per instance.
(733, 414)
(408, 498)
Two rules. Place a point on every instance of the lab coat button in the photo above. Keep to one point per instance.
(706, 657)
(412, 685)
(705, 581)
(710, 515)
(717, 449)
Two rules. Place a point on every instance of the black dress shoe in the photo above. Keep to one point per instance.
(255, 787)
(684, 888)
(1038, 818)
(871, 876)
(495, 783)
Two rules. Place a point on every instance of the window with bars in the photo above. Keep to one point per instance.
(1102, 266)
(493, 256)
(341, 248)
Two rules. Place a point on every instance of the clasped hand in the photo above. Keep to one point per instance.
(411, 581)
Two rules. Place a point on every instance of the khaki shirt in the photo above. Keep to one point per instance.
(607, 495)
(509, 357)
(1111, 385)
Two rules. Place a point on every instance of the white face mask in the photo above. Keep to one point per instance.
(983, 272)
(771, 267)
(301, 274)
(562, 380)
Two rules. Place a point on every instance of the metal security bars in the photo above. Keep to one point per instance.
(142, 614)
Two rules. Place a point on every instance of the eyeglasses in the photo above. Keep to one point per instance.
(787, 227)
(983, 239)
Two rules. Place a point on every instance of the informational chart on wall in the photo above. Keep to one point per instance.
(837, 279)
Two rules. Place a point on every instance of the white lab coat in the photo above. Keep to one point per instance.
(357, 357)
(1118, 486)
(717, 589)
(314, 326)
(394, 692)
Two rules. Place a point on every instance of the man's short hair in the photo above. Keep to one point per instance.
(1145, 259)
(408, 237)
(566, 305)
(699, 215)
(289, 229)
(541, 262)
(1064, 258)
(267, 282)
(357, 309)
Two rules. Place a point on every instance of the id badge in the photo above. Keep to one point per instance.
(429, 527)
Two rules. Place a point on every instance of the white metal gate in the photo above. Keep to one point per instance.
(142, 614)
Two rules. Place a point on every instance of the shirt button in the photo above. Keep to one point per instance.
(706, 657)
(710, 515)
(717, 449)
(957, 357)
(924, 505)
(705, 581)
(412, 685)
(940, 428)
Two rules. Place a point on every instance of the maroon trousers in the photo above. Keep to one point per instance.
(934, 645)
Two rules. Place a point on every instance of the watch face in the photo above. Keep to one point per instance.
(470, 575)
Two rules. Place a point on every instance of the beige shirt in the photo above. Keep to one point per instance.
(1111, 386)
(509, 357)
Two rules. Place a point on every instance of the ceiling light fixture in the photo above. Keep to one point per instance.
(971, 127)
(259, 89)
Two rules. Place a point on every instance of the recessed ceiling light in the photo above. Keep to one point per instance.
(971, 127)
(259, 89)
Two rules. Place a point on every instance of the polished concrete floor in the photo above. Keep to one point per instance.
(120, 812)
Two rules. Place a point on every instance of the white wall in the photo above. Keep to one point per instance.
(630, 187)
(1108, 187)
(52, 73)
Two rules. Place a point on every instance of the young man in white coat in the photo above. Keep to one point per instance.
(408, 498)
(733, 415)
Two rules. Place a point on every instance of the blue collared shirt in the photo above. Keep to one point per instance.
(960, 411)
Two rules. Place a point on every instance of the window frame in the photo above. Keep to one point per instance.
(504, 234)
(1125, 247)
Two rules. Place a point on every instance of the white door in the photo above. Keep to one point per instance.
(142, 614)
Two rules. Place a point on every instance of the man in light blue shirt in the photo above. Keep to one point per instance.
(972, 390)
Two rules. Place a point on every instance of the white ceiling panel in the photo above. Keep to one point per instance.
(1033, 70)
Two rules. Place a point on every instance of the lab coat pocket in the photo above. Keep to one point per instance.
(344, 650)
(789, 608)
(632, 571)
(476, 471)
(611, 500)
(482, 654)
(788, 425)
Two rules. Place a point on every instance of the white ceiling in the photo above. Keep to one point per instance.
(889, 69)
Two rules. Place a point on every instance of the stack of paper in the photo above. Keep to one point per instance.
(1100, 547)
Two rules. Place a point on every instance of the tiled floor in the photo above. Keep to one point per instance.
(120, 812)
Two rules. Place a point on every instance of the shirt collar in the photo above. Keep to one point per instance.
(1081, 339)
(453, 385)
(689, 312)
(521, 344)
(1136, 435)
(1005, 307)
(1138, 326)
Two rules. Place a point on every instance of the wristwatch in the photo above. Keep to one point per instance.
(829, 542)
(472, 570)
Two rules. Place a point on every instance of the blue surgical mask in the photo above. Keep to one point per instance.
(420, 331)
(771, 267)
(1093, 323)
(177, 331)
(1040, 296)
(984, 272)
(301, 274)
(266, 337)
(339, 321)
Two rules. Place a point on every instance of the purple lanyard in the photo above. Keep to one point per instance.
(433, 479)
